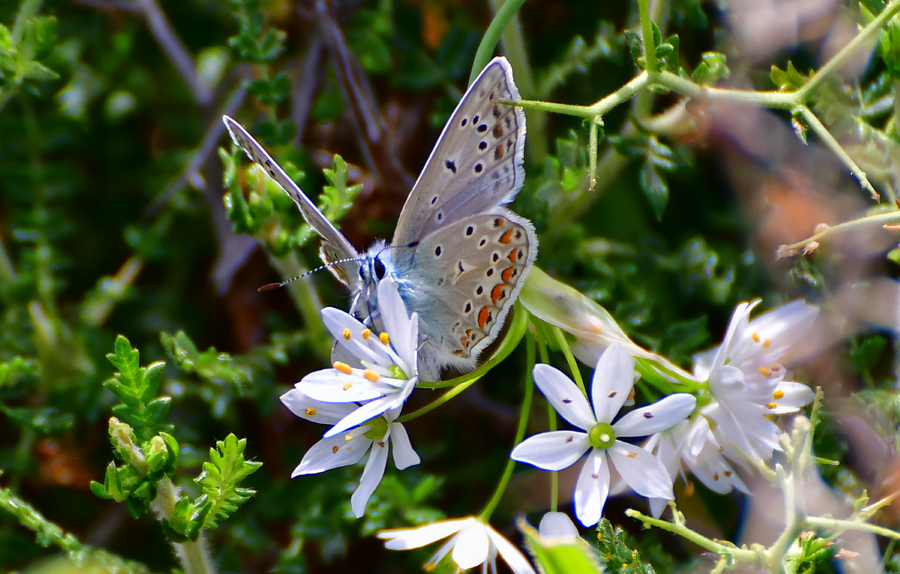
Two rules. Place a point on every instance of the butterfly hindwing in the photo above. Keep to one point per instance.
(466, 277)
(476, 164)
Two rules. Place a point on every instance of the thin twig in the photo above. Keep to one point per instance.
(175, 50)
(213, 134)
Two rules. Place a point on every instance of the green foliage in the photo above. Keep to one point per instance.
(788, 80)
(111, 222)
(575, 557)
(221, 496)
(617, 556)
(657, 159)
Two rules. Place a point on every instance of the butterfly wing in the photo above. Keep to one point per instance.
(335, 247)
(476, 164)
(464, 280)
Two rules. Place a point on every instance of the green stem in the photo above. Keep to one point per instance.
(307, 301)
(49, 534)
(650, 62)
(820, 130)
(858, 41)
(492, 36)
(739, 555)
(8, 275)
(485, 515)
(193, 555)
(869, 221)
(570, 358)
(514, 49)
(28, 9)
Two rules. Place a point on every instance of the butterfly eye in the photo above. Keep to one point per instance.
(362, 273)
(379, 269)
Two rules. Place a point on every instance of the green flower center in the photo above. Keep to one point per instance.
(377, 428)
(602, 436)
(397, 372)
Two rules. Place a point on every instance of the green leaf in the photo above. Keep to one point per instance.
(619, 557)
(220, 477)
(37, 71)
(575, 557)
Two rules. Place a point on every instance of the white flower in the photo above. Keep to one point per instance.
(350, 447)
(691, 444)
(557, 528)
(611, 386)
(474, 543)
(746, 378)
(385, 371)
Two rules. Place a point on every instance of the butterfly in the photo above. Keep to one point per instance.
(458, 257)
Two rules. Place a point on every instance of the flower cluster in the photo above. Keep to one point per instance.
(362, 397)
(740, 385)
(601, 438)
(745, 384)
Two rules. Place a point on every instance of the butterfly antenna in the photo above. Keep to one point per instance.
(272, 286)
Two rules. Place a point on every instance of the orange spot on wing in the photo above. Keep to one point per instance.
(514, 255)
(496, 293)
(484, 315)
(507, 236)
(506, 274)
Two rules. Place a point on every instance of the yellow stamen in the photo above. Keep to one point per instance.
(335, 449)
(775, 368)
(311, 412)
(765, 371)
(716, 476)
(385, 339)
(727, 473)
(755, 337)
(371, 375)
(777, 394)
(767, 343)
(348, 437)
(343, 367)
(366, 334)
(346, 334)
(348, 386)
(630, 454)
(772, 406)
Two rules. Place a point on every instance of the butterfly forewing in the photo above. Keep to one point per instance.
(477, 162)
(339, 246)
(475, 269)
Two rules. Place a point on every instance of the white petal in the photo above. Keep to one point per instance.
(785, 326)
(472, 545)
(334, 452)
(340, 323)
(402, 329)
(565, 397)
(333, 386)
(795, 396)
(510, 554)
(557, 528)
(371, 478)
(641, 470)
(659, 416)
(404, 455)
(657, 506)
(408, 538)
(592, 488)
(554, 450)
(612, 383)
(364, 413)
(313, 410)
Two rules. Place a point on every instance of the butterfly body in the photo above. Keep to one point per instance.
(458, 257)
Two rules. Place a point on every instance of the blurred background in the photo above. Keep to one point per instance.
(115, 218)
